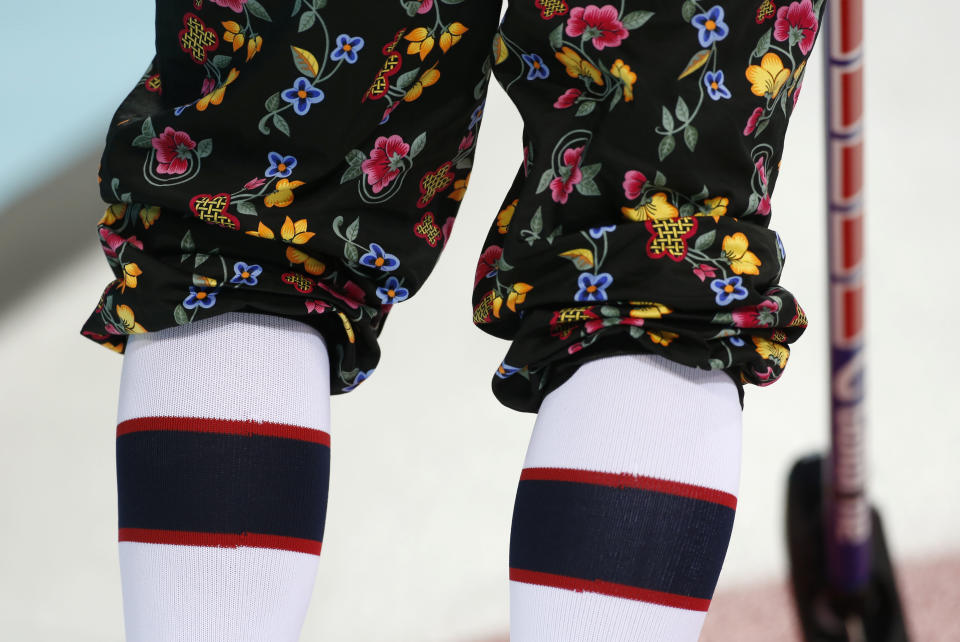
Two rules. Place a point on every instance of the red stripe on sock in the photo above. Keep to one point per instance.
(245, 428)
(610, 588)
(626, 480)
(224, 540)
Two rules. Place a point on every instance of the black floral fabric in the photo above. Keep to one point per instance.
(307, 158)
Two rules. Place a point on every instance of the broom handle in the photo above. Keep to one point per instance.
(847, 511)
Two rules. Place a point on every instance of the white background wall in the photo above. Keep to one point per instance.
(425, 462)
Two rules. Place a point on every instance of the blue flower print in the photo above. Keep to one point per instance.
(593, 287)
(392, 292)
(737, 341)
(363, 375)
(476, 115)
(201, 296)
(347, 48)
(597, 232)
(245, 274)
(537, 68)
(280, 166)
(715, 87)
(377, 258)
(505, 370)
(780, 248)
(302, 95)
(710, 25)
(729, 290)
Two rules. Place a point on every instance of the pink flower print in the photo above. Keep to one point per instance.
(762, 170)
(487, 265)
(388, 111)
(561, 188)
(317, 306)
(254, 183)
(112, 241)
(762, 315)
(567, 98)
(425, 6)
(796, 94)
(173, 149)
(236, 5)
(601, 24)
(798, 23)
(349, 294)
(764, 375)
(752, 121)
(633, 182)
(593, 325)
(447, 229)
(705, 271)
(576, 347)
(465, 142)
(354, 292)
(207, 86)
(763, 207)
(385, 161)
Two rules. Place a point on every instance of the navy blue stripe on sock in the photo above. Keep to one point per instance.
(630, 536)
(193, 484)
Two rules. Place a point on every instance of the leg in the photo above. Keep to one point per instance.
(223, 450)
(626, 503)
(634, 271)
(304, 162)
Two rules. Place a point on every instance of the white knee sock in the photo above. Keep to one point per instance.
(223, 462)
(625, 503)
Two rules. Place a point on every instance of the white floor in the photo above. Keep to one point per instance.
(425, 462)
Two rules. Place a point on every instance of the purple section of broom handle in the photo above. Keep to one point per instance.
(847, 517)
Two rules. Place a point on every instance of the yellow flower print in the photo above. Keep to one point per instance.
(295, 233)
(621, 70)
(459, 188)
(114, 213)
(427, 78)
(497, 302)
(310, 264)
(262, 231)
(648, 310)
(283, 195)
(742, 261)
(658, 208)
(130, 273)
(149, 215)
(451, 35)
(796, 76)
(130, 325)
(769, 76)
(253, 46)
(518, 293)
(420, 42)
(505, 215)
(576, 66)
(232, 33)
(500, 51)
(664, 337)
(216, 96)
(347, 327)
(118, 348)
(770, 350)
(714, 207)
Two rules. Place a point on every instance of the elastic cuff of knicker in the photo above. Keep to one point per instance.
(523, 388)
(353, 349)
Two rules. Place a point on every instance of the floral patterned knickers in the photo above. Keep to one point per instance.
(307, 158)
